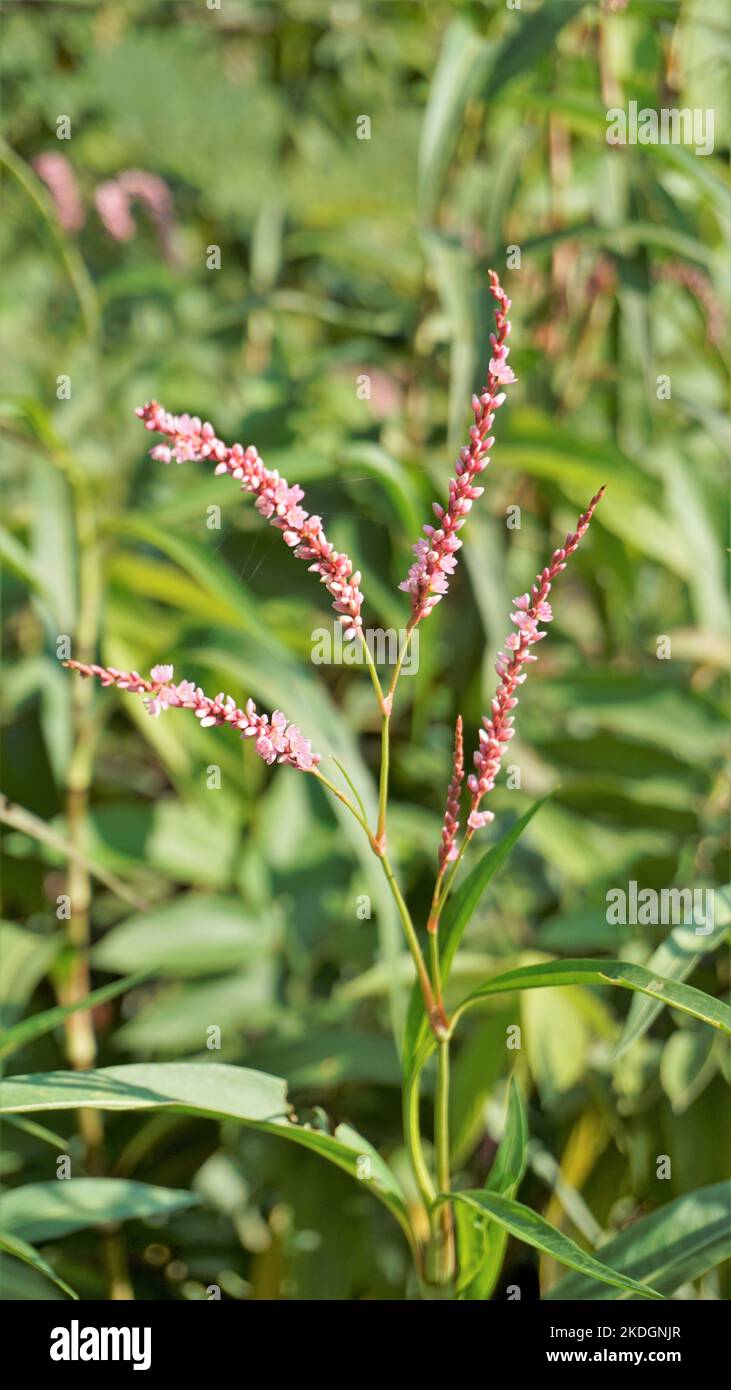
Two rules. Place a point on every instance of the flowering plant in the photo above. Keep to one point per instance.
(457, 1236)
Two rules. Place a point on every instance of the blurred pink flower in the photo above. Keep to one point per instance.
(276, 740)
(436, 555)
(60, 180)
(530, 610)
(112, 204)
(275, 499)
(113, 199)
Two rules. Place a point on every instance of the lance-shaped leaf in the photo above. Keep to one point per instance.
(528, 1226)
(39, 1024)
(211, 1089)
(675, 959)
(669, 1247)
(21, 1250)
(482, 1242)
(45, 1210)
(607, 972)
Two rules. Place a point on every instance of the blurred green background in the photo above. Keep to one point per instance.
(340, 258)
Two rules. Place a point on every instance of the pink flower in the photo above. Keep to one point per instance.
(162, 673)
(436, 556)
(276, 500)
(448, 847)
(58, 176)
(277, 741)
(530, 609)
(112, 204)
(114, 197)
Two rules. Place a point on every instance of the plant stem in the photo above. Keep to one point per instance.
(81, 1047)
(383, 781)
(315, 772)
(412, 941)
(444, 1234)
(412, 1135)
(403, 911)
(436, 976)
(386, 705)
(370, 663)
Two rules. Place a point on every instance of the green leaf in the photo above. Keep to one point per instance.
(323, 1058)
(511, 1159)
(211, 1089)
(482, 1243)
(40, 1132)
(455, 920)
(350, 1151)
(474, 1072)
(194, 934)
(45, 1210)
(669, 1247)
(535, 35)
(13, 1245)
(453, 272)
(675, 959)
(456, 76)
(610, 972)
(206, 1088)
(174, 1022)
(39, 1024)
(25, 956)
(528, 1226)
(559, 1028)
(689, 1060)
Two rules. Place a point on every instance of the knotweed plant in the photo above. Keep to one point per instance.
(457, 1237)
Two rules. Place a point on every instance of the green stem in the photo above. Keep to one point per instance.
(315, 772)
(412, 941)
(81, 1043)
(412, 1135)
(403, 911)
(444, 1233)
(386, 708)
(383, 781)
(370, 663)
(436, 974)
(399, 662)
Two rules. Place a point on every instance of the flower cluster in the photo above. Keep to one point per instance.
(275, 499)
(448, 847)
(58, 176)
(276, 739)
(113, 199)
(428, 578)
(530, 610)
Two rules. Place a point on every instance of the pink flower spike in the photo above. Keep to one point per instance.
(425, 581)
(276, 741)
(498, 725)
(276, 501)
(448, 848)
